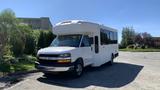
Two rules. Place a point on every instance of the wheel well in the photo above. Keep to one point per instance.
(112, 55)
(80, 60)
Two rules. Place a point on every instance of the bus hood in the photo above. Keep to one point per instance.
(55, 50)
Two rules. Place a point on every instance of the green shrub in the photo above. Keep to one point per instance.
(17, 41)
(8, 22)
(143, 47)
(19, 67)
(30, 45)
(41, 40)
(28, 59)
(30, 41)
(45, 39)
(49, 38)
(5, 67)
(130, 47)
(36, 34)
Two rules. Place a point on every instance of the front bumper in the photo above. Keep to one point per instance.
(53, 68)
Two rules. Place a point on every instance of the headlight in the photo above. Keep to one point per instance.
(65, 55)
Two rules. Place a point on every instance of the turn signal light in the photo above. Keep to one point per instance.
(64, 61)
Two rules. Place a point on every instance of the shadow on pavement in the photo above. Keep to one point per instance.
(118, 75)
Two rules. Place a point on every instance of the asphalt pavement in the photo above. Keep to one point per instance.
(131, 71)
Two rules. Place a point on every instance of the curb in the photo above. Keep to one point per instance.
(23, 72)
(18, 76)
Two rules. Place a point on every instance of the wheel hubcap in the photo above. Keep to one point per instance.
(79, 69)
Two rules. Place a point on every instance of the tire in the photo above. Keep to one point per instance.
(112, 58)
(78, 69)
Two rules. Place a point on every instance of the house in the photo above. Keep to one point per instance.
(42, 23)
(156, 42)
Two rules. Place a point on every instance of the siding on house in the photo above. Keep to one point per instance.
(42, 23)
(156, 41)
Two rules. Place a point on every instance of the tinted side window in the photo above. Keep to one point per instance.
(111, 37)
(105, 38)
(108, 37)
(115, 37)
(96, 44)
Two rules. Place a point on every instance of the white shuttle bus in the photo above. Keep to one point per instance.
(77, 45)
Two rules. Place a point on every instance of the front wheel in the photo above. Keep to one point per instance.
(78, 69)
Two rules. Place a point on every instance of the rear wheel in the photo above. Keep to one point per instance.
(111, 62)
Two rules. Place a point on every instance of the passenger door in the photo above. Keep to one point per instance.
(86, 50)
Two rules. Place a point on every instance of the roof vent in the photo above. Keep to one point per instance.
(70, 22)
(65, 22)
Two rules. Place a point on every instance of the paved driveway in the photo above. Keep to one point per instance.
(131, 71)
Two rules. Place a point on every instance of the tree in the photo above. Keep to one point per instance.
(147, 39)
(45, 39)
(41, 40)
(138, 39)
(30, 40)
(10, 33)
(128, 36)
(49, 38)
(7, 23)
(17, 41)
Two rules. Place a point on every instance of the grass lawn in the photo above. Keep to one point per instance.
(141, 50)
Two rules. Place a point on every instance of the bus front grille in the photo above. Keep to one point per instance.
(49, 55)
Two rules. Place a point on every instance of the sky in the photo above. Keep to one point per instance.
(142, 15)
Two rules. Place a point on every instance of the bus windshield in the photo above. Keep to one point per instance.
(66, 40)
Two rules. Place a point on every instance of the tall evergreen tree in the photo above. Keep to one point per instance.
(128, 36)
